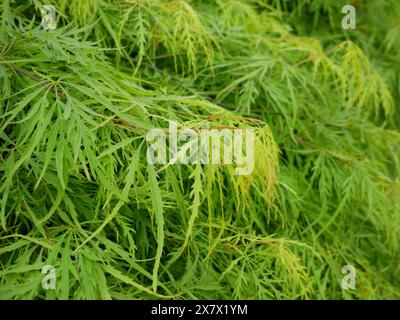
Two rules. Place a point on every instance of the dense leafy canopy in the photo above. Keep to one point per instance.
(77, 192)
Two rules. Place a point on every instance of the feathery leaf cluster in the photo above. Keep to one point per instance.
(76, 190)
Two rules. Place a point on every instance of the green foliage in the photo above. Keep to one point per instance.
(77, 192)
